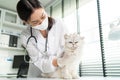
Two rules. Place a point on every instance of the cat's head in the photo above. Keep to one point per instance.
(73, 41)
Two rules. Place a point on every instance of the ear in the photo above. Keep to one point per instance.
(65, 36)
(24, 22)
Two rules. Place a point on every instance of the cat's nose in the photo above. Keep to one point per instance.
(73, 43)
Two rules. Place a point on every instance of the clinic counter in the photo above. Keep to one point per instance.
(81, 78)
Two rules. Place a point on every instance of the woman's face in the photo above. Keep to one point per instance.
(37, 17)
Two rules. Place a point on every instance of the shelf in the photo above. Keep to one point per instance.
(12, 48)
(14, 25)
(9, 33)
(10, 24)
(8, 76)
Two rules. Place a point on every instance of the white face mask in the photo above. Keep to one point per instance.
(43, 25)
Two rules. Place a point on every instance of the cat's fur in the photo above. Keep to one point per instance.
(70, 59)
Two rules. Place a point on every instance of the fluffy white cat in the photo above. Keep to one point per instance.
(70, 60)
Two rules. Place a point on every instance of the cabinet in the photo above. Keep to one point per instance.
(10, 25)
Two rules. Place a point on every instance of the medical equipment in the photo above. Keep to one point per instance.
(43, 53)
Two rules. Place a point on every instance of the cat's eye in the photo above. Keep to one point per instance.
(70, 42)
(76, 42)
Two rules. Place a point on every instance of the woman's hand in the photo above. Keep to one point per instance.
(54, 62)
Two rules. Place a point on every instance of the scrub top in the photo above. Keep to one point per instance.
(55, 47)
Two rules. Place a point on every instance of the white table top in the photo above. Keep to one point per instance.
(81, 78)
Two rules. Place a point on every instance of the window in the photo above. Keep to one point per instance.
(70, 15)
(110, 14)
(57, 10)
(91, 61)
(71, 22)
(48, 11)
(69, 7)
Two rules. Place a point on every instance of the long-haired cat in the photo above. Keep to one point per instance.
(70, 60)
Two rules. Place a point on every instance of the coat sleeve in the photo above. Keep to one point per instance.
(44, 64)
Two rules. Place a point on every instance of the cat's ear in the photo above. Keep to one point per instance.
(65, 36)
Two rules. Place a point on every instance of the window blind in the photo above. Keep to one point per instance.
(110, 15)
(112, 58)
(91, 64)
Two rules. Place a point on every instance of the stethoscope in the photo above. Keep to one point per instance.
(43, 53)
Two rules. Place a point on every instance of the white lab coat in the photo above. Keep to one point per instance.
(54, 48)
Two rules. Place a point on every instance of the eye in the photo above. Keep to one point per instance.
(43, 17)
(76, 42)
(70, 42)
(34, 23)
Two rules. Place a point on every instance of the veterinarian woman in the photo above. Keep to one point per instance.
(43, 39)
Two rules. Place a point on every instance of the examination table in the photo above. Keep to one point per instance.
(81, 78)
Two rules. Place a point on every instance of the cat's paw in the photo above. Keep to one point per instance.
(45, 75)
(67, 77)
(76, 77)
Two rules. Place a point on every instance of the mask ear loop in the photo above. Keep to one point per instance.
(26, 52)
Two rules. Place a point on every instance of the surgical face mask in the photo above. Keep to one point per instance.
(43, 25)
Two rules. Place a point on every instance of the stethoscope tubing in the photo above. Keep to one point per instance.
(43, 53)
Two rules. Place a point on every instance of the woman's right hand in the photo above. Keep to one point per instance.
(54, 62)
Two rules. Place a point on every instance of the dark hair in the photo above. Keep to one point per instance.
(51, 22)
(26, 7)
